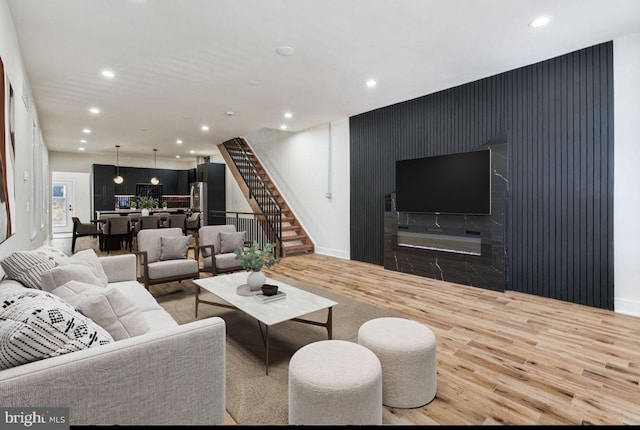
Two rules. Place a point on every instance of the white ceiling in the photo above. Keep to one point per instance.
(181, 64)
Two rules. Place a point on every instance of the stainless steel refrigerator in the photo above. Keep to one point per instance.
(198, 200)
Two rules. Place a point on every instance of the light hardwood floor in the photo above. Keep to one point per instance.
(503, 358)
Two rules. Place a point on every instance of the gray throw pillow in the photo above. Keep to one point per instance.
(230, 242)
(174, 247)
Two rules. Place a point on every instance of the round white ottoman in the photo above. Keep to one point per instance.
(335, 382)
(407, 352)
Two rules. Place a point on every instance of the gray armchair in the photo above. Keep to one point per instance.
(163, 256)
(217, 245)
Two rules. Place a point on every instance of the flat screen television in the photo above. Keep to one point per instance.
(445, 184)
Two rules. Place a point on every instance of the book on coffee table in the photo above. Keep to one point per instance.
(266, 299)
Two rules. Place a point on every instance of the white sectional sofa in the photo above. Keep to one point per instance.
(171, 375)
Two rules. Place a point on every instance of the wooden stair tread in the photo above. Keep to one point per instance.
(244, 163)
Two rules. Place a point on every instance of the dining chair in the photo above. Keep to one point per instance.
(81, 229)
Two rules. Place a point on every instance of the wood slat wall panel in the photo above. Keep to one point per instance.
(558, 115)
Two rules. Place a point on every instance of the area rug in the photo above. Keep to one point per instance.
(253, 398)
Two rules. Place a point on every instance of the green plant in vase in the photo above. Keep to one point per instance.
(164, 205)
(253, 259)
(147, 202)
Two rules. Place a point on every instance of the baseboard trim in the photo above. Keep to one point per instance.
(627, 307)
(345, 255)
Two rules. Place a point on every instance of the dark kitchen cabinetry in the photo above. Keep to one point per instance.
(174, 182)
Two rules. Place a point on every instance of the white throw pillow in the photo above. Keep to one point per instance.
(27, 267)
(83, 266)
(35, 324)
(230, 242)
(107, 307)
(174, 247)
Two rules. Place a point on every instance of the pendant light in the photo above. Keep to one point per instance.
(155, 180)
(118, 179)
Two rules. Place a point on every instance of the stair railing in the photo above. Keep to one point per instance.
(258, 190)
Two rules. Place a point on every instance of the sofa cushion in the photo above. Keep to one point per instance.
(137, 293)
(35, 325)
(27, 267)
(174, 247)
(83, 266)
(156, 316)
(230, 242)
(108, 307)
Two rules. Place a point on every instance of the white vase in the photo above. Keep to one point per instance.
(256, 280)
(145, 212)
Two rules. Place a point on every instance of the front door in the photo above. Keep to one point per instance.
(62, 207)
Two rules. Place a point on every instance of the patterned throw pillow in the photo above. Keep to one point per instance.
(35, 325)
(26, 267)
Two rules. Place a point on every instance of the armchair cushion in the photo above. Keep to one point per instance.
(230, 242)
(107, 307)
(174, 247)
(84, 266)
(168, 268)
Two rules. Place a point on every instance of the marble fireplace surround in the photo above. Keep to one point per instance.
(465, 249)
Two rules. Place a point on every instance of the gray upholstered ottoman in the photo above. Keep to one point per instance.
(407, 352)
(335, 382)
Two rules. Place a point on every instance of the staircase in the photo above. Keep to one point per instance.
(264, 197)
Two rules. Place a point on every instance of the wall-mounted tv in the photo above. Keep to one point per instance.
(445, 184)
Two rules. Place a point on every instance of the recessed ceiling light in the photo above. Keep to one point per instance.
(283, 127)
(229, 113)
(186, 117)
(253, 83)
(94, 110)
(371, 83)
(83, 141)
(539, 22)
(192, 152)
(86, 131)
(108, 74)
(288, 115)
(285, 51)
(205, 128)
(177, 156)
(179, 141)
(81, 149)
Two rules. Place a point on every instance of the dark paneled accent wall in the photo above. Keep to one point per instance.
(558, 119)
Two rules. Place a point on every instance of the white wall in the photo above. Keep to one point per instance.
(82, 162)
(626, 176)
(306, 166)
(25, 116)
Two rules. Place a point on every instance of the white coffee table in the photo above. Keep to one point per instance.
(296, 304)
